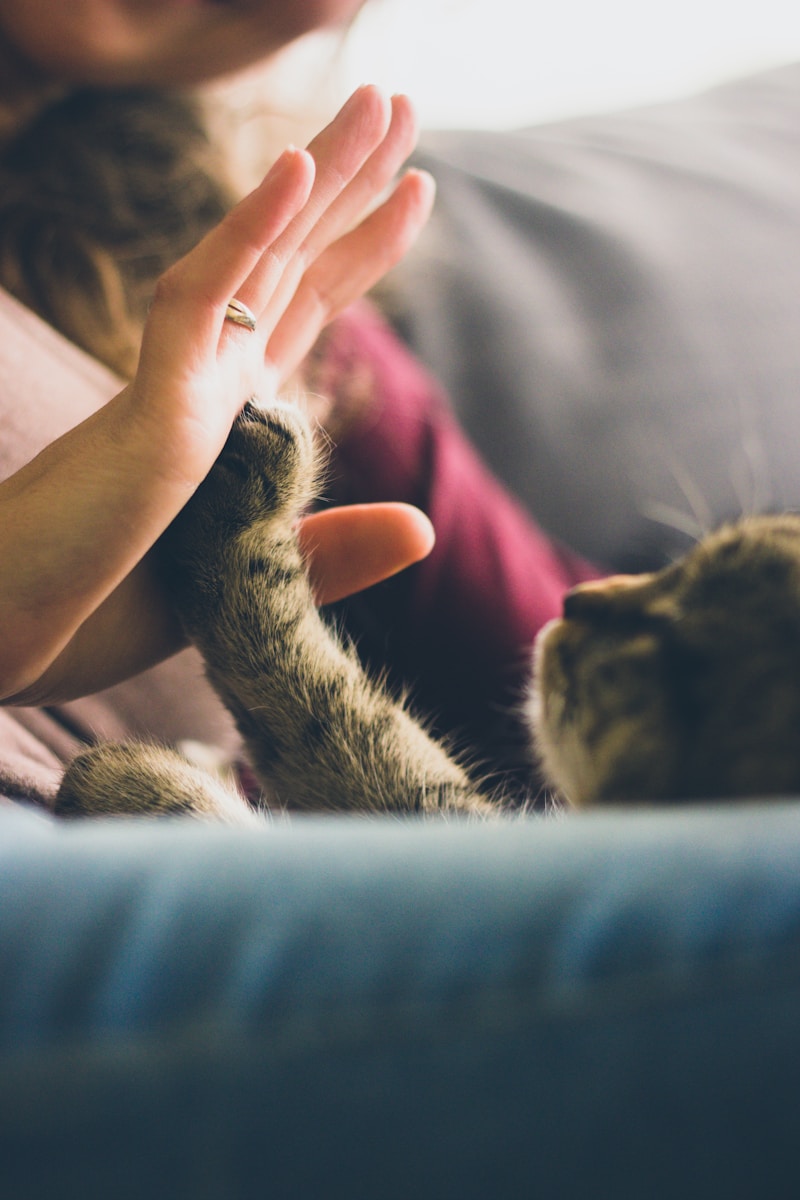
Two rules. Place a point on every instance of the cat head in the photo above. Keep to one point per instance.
(678, 685)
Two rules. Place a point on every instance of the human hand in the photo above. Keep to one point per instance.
(78, 521)
(291, 252)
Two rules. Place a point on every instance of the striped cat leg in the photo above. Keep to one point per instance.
(321, 735)
(139, 779)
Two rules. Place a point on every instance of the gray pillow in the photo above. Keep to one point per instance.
(614, 305)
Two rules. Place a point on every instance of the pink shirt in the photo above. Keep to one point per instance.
(457, 628)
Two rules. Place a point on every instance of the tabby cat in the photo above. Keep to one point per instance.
(679, 685)
(670, 686)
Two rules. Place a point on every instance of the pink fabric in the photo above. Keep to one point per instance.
(461, 623)
(47, 385)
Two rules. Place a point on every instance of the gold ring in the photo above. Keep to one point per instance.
(240, 314)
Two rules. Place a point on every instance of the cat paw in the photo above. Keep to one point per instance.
(267, 465)
(263, 479)
(133, 779)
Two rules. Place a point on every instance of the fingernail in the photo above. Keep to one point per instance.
(285, 162)
(282, 161)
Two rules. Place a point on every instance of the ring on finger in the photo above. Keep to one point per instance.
(240, 314)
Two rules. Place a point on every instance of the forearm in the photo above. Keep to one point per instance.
(74, 523)
(133, 629)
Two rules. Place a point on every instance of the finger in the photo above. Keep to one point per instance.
(349, 268)
(354, 200)
(189, 304)
(339, 153)
(350, 548)
(371, 181)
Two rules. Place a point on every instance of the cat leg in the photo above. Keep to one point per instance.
(321, 735)
(142, 780)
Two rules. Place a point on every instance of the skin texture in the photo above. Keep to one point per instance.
(79, 521)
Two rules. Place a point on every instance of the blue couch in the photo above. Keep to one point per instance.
(602, 1005)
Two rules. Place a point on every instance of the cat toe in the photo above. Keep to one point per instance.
(261, 482)
(271, 452)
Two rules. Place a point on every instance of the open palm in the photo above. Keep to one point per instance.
(293, 253)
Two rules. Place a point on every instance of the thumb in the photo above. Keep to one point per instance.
(352, 547)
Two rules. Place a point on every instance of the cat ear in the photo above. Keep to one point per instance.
(621, 596)
(601, 594)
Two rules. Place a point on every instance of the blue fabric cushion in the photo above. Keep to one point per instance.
(386, 1009)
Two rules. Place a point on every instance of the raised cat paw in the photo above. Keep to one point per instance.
(319, 734)
(262, 480)
(265, 470)
(267, 462)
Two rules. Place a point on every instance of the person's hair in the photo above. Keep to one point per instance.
(99, 192)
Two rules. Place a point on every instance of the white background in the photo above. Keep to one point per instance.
(495, 63)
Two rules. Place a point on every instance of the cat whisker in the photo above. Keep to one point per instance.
(673, 518)
(696, 519)
(749, 473)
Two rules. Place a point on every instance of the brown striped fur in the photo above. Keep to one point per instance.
(679, 685)
(320, 735)
(673, 686)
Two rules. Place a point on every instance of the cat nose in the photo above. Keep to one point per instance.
(591, 599)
